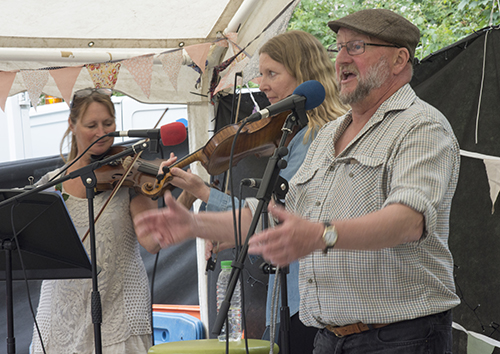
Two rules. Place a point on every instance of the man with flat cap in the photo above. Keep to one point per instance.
(368, 212)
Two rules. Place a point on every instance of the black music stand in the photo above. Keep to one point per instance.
(47, 240)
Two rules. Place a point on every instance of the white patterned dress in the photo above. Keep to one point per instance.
(64, 312)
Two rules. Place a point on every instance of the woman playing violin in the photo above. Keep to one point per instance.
(64, 311)
(285, 62)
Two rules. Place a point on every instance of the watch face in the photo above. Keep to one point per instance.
(330, 236)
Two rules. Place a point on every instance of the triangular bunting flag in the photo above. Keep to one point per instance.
(493, 172)
(233, 37)
(104, 75)
(222, 43)
(198, 54)
(6, 80)
(141, 69)
(228, 79)
(35, 81)
(171, 63)
(65, 80)
(478, 346)
(477, 343)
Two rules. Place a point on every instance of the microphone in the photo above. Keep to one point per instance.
(309, 93)
(251, 182)
(170, 134)
(280, 190)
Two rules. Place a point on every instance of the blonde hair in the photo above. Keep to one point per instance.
(305, 58)
(79, 106)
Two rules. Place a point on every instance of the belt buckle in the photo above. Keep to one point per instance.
(333, 329)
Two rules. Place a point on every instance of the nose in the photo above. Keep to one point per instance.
(264, 86)
(101, 130)
(343, 56)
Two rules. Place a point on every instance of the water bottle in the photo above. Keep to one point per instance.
(234, 313)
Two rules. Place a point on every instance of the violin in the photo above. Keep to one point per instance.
(143, 171)
(257, 138)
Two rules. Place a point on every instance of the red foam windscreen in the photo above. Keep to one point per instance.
(173, 134)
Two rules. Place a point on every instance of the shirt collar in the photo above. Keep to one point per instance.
(400, 100)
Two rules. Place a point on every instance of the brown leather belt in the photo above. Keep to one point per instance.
(359, 327)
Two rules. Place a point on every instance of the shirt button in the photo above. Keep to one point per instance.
(310, 281)
(318, 203)
(351, 174)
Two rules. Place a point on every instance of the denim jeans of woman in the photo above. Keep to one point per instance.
(425, 335)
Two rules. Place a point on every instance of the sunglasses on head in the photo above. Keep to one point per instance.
(89, 91)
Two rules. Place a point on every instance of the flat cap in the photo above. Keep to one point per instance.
(382, 24)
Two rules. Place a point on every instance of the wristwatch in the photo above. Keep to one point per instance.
(330, 236)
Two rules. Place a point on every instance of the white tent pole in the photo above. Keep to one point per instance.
(241, 15)
(199, 135)
(77, 55)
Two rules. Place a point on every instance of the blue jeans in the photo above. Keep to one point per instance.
(425, 335)
(301, 337)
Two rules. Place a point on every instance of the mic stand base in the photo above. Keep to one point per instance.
(90, 182)
(285, 321)
(9, 246)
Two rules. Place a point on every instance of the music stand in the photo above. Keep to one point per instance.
(48, 243)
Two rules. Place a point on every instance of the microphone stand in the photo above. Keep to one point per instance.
(89, 180)
(285, 321)
(269, 180)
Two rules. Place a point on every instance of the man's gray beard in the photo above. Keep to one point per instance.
(375, 77)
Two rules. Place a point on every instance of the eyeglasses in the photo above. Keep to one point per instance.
(89, 91)
(356, 47)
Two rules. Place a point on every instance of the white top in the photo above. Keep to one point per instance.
(64, 312)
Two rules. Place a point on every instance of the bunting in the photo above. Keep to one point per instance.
(141, 69)
(477, 343)
(493, 172)
(198, 54)
(236, 66)
(6, 80)
(35, 80)
(65, 79)
(233, 39)
(171, 63)
(104, 75)
(492, 165)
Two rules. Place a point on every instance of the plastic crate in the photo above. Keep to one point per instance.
(193, 310)
(174, 327)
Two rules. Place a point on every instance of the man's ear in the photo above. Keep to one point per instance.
(401, 59)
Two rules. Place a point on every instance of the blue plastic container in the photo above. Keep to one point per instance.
(174, 327)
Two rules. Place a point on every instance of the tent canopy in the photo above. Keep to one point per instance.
(39, 35)
(127, 24)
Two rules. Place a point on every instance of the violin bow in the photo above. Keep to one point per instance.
(122, 179)
(229, 170)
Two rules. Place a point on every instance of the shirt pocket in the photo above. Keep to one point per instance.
(301, 197)
(304, 177)
(366, 175)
